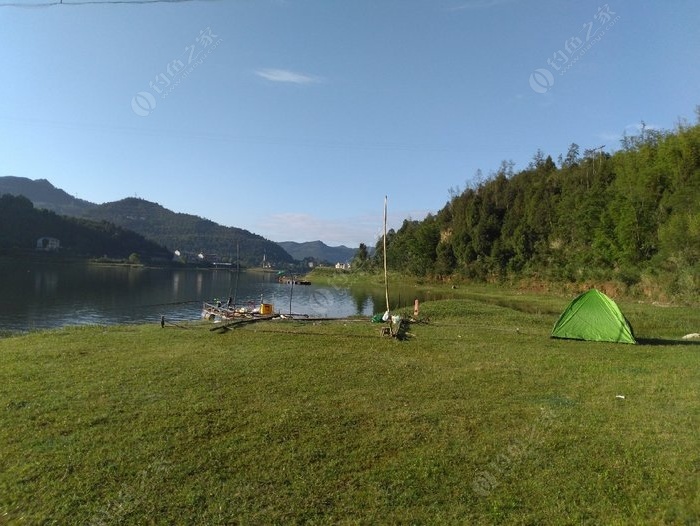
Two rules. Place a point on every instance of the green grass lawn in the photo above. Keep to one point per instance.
(476, 418)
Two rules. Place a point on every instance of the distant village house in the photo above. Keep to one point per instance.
(48, 244)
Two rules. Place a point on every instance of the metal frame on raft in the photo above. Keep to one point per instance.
(213, 312)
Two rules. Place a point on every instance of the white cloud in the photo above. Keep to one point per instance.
(479, 4)
(285, 75)
(609, 136)
(636, 128)
(631, 130)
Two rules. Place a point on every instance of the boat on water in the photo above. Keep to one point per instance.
(287, 280)
(222, 312)
(228, 311)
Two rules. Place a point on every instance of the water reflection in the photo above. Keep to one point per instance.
(38, 295)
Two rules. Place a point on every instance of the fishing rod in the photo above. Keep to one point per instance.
(238, 273)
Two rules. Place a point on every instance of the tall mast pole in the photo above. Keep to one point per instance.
(386, 279)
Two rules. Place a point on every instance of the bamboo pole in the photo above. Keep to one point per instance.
(238, 273)
(386, 279)
(291, 292)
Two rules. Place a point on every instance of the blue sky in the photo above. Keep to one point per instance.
(294, 118)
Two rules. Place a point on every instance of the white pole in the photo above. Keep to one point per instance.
(386, 279)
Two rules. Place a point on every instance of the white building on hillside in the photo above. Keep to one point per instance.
(48, 244)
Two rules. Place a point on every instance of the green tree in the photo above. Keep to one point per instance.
(361, 259)
(600, 216)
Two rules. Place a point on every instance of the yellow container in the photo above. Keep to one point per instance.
(266, 308)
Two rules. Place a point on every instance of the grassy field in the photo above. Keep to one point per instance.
(476, 418)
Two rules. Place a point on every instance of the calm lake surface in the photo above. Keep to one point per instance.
(37, 295)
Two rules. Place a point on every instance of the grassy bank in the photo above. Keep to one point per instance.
(478, 417)
(649, 290)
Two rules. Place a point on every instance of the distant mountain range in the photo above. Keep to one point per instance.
(45, 195)
(191, 235)
(319, 251)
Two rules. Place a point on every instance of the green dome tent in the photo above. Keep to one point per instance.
(595, 317)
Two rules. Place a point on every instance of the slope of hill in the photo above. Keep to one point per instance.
(319, 251)
(188, 233)
(632, 217)
(45, 195)
(21, 225)
(184, 232)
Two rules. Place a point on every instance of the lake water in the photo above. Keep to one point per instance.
(37, 295)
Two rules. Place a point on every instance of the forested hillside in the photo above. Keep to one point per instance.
(21, 225)
(45, 195)
(632, 218)
(189, 233)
